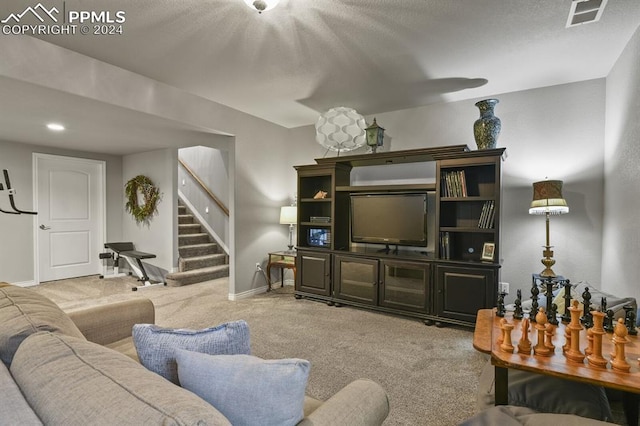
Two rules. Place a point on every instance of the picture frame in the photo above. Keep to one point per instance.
(488, 250)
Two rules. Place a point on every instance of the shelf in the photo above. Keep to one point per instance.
(419, 155)
(388, 188)
(315, 200)
(317, 224)
(465, 199)
(467, 229)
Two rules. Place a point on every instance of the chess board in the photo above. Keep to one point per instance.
(488, 337)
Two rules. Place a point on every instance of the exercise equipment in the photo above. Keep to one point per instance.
(127, 251)
(11, 192)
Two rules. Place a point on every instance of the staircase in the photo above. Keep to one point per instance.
(201, 259)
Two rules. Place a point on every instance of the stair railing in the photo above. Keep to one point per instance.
(206, 189)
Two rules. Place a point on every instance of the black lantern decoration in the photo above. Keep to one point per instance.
(375, 136)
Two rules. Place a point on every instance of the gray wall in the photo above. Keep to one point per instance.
(16, 231)
(621, 239)
(555, 132)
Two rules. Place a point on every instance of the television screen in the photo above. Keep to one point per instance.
(393, 218)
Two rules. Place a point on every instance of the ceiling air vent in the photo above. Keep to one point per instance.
(585, 12)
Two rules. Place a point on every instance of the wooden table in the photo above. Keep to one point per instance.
(283, 260)
(485, 337)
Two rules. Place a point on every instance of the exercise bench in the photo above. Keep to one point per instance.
(126, 251)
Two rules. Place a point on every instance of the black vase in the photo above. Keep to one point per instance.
(487, 128)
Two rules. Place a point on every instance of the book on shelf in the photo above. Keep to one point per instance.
(445, 251)
(487, 215)
(453, 184)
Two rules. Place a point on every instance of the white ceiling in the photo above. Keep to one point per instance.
(289, 64)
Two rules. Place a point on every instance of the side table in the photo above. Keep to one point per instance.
(283, 260)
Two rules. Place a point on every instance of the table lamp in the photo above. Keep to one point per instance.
(548, 200)
(289, 216)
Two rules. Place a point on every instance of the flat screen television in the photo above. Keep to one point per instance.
(389, 218)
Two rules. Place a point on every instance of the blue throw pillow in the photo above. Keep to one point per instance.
(248, 390)
(156, 346)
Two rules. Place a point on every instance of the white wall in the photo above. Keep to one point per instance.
(555, 132)
(16, 231)
(621, 239)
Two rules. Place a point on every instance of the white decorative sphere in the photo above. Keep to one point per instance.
(341, 129)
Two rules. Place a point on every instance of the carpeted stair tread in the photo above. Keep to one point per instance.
(189, 228)
(177, 279)
(197, 262)
(184, 219)
(193, 250)
(190, 239)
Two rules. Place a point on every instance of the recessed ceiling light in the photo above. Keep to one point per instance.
(55, 127)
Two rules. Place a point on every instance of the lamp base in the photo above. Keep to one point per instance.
(548, 262)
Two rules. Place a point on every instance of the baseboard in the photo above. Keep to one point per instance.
(25, 283)
(247, 294)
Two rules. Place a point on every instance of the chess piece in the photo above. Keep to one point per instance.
(595, 358)
(541, 347)
(619, 340)
(506, 345)
(573, 353)
(517, 311)
(503, 321)
(589, 349)
(587, 319)
(608, 321)
(534, 302)
(552, 316)
(630, 319)
(500, 310)
(524, 345)
(549, 294)
(549, 332)
(566, 316)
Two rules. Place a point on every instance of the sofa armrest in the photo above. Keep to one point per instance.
(112, 322)
(362, 402)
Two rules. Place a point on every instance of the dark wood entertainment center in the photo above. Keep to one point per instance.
(449, 284)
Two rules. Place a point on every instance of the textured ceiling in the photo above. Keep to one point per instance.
(289, 64)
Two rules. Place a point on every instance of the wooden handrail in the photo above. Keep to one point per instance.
(205, 188)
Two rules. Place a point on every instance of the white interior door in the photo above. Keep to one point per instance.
(70, 222)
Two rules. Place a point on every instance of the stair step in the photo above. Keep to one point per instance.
(194, 250)
(190, 239)
(185, 218)
(177, 279)
(189, 228)
(182, 209)
(198, 262)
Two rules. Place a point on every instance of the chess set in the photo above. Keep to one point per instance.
(585, 333)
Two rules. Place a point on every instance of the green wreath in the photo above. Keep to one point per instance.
(151, 194)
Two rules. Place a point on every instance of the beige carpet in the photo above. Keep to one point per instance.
(429, 373)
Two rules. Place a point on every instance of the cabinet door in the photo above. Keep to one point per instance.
(314, 273)
(356, 279)
(463, 291)
(405, 285)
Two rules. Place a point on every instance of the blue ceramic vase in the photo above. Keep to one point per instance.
(487, 128)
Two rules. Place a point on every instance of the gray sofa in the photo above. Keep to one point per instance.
(80, 368)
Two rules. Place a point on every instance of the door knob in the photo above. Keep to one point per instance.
(44, 228)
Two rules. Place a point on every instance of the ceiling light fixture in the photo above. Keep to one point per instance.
(261, 5)
(55, 127)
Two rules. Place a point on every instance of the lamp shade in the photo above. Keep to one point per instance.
(341, 129)
(547, 198)
(288, 215)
